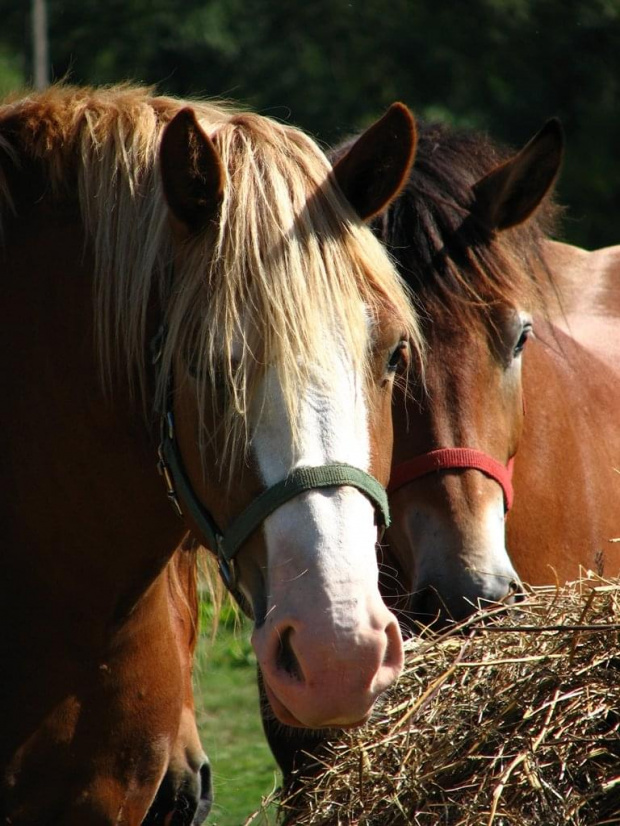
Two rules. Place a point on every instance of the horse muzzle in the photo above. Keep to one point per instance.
(184, 797)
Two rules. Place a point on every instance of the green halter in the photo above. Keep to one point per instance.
(227, 543)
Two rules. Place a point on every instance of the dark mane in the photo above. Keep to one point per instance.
(442, 252)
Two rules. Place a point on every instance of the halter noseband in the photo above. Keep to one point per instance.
(451, 458)
(226, 543)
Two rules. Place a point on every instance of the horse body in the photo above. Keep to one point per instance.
(99, 250)
(566, 478)
(588, 300)
(55, 541)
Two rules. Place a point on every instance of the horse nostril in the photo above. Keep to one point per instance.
(205, 782)
(206, 794)
(286, 659)
(428, 609)
(515, 594)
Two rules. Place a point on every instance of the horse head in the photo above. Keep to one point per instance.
(466, 235)
(279, 383)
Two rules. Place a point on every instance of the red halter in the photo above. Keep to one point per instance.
(449, 458)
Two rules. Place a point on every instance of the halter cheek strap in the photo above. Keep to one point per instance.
(300, 480)
(450, 458)
(227, 543)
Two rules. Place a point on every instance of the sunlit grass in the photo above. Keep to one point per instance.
(229, 720)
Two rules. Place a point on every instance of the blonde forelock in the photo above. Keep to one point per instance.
(286, 275)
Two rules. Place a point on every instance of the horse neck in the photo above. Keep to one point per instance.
(87, 509)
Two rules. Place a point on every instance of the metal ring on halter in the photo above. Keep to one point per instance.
(229, 570)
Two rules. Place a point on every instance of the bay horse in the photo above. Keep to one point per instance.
(518, 400)
(521, 388)
(188, 275)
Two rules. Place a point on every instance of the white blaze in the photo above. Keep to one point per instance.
(328, 532)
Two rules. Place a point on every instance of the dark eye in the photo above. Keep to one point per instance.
(192, 367)
(216, 379)
(399, 357)
(526, 332)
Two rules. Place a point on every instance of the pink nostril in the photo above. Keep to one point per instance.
(316, 678)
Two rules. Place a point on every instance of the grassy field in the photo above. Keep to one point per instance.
(227, 711)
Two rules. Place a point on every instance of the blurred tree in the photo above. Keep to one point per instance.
(40, 44)
(332, 65)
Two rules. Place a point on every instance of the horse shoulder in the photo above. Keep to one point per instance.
(606, 264)
(586, 304)
(567, 265)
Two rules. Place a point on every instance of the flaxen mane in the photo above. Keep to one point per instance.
(288, 253)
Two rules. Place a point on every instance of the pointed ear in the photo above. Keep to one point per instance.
(191, 171)
(511, 192)
(374, 170)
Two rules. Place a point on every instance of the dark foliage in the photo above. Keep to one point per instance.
(331, 66)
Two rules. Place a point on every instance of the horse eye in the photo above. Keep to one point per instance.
(526, 332)
(217, 379)
(399, 356)
(192, 367)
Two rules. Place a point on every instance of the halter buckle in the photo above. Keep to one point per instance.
(228, 567)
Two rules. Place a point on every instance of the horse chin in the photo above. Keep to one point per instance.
(431, 610)
(284, 716)
(183, 799)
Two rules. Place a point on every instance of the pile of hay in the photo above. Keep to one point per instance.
(517, 722)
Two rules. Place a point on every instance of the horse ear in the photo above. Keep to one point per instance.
(191, 171)
(511, 192)
(376, 167)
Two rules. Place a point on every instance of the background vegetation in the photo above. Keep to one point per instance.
(244, 772)
(330, 66)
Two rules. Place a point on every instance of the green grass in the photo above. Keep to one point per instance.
(229, 721)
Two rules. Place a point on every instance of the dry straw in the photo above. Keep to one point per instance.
(513, 722)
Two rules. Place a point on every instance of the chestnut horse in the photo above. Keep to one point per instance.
(522, 368)
(188, 275)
